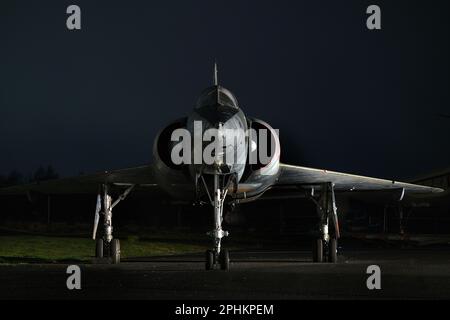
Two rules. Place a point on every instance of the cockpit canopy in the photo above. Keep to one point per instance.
(217, 95)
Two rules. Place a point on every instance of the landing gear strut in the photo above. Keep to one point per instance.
(325, 246)
(218, 256)
(107, 246)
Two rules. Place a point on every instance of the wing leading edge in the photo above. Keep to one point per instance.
(296, 175)
(87, 184)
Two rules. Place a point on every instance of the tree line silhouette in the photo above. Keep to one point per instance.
(15, 177)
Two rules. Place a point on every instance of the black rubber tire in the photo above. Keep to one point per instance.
(99, 248)
(224, 260)
(332, 251)
(115, 251)
(209, 260)
(318, 251)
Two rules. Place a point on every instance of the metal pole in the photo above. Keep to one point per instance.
(48, 209)
(400, 208)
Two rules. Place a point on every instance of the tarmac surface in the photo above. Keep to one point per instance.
(405, 274)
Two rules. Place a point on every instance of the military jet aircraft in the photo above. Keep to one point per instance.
(219, 182)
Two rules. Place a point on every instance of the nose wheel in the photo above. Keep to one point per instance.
(210, 260)
(221, 260)
(224, 260)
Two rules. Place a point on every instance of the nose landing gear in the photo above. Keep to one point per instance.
(218, 256)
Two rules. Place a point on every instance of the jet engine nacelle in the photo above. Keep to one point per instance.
(264, 149)
(171, 177)
(263, 163)
(163, 145)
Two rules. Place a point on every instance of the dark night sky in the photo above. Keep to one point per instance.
(344, 98)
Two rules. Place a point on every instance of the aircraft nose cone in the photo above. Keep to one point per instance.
(220, 138)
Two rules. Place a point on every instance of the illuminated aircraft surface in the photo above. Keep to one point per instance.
(220, 182)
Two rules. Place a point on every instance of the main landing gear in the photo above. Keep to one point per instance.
(217, 257)
(107, 247)
(325, 246)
